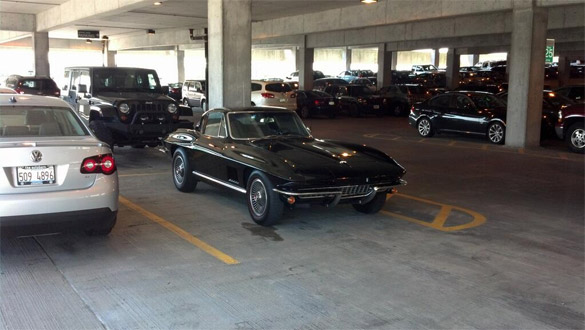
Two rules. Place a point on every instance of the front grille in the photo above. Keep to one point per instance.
(355, 190)
(154, 107)
(148, 113)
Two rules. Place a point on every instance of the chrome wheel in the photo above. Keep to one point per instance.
(257, 195)
(179, 170)
(496, 133)
(424, 127)
(578, 138)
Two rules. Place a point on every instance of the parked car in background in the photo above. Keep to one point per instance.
(33, 85)
(294, 76)
(574, 92)
(276, 94)
(394, 101)
(321, 84)
(194, 94)
(421, 69)
(461, 112)
(124, 106)
(348, 75)
(551, 104)
(356, 100)
(570, 127)
(293, 84)
(175, 91)
(276, 162)
(56, 175)
(415, 93)
(364, 82)
(310, 103)
(6, 90)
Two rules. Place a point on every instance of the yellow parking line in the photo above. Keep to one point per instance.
(452, 143)
(521, 151)
(562, 155)
(440, 219)
(421, 140)
(141, 174)
(180, 232)
(484, 147)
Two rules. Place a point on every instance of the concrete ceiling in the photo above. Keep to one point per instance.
(172, 14)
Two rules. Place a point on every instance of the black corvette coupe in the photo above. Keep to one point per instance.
(270, 156)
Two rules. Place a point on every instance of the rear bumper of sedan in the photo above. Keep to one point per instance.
(55, 222)
(84, 206)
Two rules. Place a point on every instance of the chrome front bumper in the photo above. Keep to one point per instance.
(333, 195)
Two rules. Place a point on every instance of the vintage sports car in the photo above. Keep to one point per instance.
(54, 174)
(270, 156)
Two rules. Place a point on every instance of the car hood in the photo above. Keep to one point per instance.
(113, 97)
(323, 160)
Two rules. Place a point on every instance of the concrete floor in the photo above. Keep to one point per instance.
(516, 262)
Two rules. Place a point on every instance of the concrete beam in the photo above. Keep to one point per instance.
(74, 11)
(162, 38)
(11, 36)
(17, 22)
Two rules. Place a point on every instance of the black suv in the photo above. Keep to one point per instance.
(33, 85)
(124, 106)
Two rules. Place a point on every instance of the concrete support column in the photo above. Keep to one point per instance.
(474, 59)
(305, 66)
(110, 58)
(384, 66)
(453, 64)
(564, 70)
(394, 60)
(230, 52)
(526, 64)
(180, 64)
(347, 58)
(435, 57)
(40, 42)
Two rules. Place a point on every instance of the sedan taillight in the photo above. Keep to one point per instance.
(99, 164)
(267, 95)
(412, 109)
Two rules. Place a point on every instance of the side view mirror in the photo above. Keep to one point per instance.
(87, 95)
(81, 88)
(65, 87)
(198, 127)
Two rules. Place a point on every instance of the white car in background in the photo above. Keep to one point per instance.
(273, 93)
(6, 90)
(54, 174)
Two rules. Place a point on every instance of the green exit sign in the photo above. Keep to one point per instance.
(549, 54)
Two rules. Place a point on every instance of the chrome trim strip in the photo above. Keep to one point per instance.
(223, 183)
(320, 194)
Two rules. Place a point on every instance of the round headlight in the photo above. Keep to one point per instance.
(172, 108)
(124, 108)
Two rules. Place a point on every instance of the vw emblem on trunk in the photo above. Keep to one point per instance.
(36, 156)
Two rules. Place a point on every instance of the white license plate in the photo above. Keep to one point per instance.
(282, 100)
(331, 103)
(35, 175)
(376, 106)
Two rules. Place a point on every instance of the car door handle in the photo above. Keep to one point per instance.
(90, 102)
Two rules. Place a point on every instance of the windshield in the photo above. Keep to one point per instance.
(258, 125)
(126, 80)
(558, 100)
(39, 121)
(429, 67)
(486, 101)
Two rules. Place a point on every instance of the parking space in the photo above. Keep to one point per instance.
(439, 255)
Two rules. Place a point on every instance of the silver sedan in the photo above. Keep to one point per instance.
(54, 174)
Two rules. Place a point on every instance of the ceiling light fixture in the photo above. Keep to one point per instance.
(150, 31)
(158, 3)
(369, 1)
(88, 41)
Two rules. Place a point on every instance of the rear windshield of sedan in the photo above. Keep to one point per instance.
(258, 125)
(278, 88)
(39, 121)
